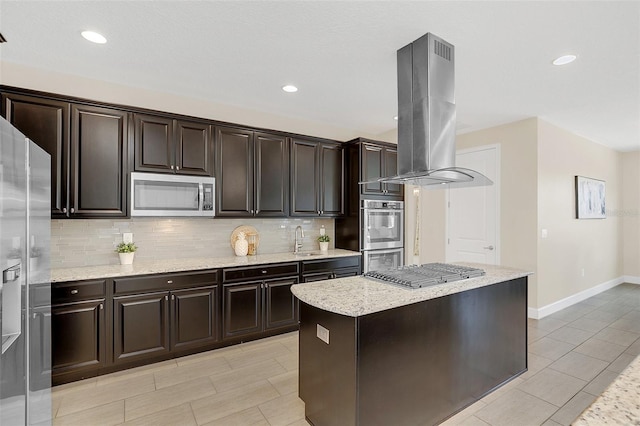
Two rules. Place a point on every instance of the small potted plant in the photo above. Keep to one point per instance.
(126, 251)
(324, 242)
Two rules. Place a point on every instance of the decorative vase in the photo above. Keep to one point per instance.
(126, 258)
(242, 246)
(324, 246)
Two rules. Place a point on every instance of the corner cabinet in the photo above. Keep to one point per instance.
(252, 176)
(88, 148)
(317, 178)
(167, 145)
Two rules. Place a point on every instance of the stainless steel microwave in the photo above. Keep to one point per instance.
(156, 194)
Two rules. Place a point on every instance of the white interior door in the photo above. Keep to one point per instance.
(473, 225)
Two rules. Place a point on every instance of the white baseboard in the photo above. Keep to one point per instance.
(631, 280)
(578, 297)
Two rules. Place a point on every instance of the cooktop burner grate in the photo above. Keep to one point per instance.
(418, 276)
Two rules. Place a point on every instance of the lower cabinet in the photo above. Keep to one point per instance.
(195, 315)
(255, 306)
(78, 337)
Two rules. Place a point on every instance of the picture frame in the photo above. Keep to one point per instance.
(590, 198)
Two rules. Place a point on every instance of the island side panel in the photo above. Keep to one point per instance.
(327, 372)
(421, 363)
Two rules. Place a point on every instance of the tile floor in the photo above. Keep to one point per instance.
(573, 355)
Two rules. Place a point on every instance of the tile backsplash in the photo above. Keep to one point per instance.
(91, 242)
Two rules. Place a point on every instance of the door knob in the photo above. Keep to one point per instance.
(488, 248)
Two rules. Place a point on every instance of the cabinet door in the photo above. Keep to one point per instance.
(153, 141)
(242, 307)
(98, 162)
(331, 180)
(195, 317)
(281, 309)
(391, 169)
(46, 122)
(78, 336)
(194, 148)
(271, 175)
(140, 326)
(234, 172)
(371, 166)
(304, 178)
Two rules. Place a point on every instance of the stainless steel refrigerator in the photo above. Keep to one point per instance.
(25, 291)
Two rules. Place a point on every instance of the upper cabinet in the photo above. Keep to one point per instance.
(252, 176)
(317, 178)
(166, 145)
(378, 160)
(88, 152)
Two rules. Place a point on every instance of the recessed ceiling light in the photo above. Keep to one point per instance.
(289, 88)
(563, 60)
(94, 37)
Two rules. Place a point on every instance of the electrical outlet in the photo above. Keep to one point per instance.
(127, 237)
(322, 333)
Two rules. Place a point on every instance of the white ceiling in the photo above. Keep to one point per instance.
(341, 54)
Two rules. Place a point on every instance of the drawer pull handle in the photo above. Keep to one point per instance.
(170, 282)
(74, 291)
(101, 306)
(173, 297)
(264, 271)
(166, 298)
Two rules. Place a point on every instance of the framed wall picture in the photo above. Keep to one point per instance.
(590, 198)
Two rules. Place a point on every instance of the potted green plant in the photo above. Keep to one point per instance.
(126, 251)
(324, 242)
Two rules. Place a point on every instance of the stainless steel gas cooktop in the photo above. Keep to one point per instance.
(417, 276)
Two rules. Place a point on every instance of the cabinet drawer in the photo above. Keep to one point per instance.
(330, 264)
(258, 272)
(146, 283)
(77, 290)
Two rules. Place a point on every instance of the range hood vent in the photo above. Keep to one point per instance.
(427, 117)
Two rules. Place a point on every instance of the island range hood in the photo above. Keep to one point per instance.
(427, 118)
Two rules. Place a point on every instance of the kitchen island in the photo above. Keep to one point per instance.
(372, 353)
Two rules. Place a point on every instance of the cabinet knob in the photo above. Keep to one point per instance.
(166, 298)
(173, 297)
(172, 167)
(264, 271)
(101, 306)
(64, 210)
(177, 167)
(74, 291)
(73, 210)
(251, 211)
(169, 281)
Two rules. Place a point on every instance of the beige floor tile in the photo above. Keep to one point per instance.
(80, 385)
(285, 383)
(216, 353)
(619, 337)
(550, 348)
(283, 410)
(549, 324)
(620, 363)
(589, 324)
(580, 366)
(56, 400)
(174, 416)
(256, 354)
(253, 373)
(464, 414)
(172, 396)
(516, 408)
(571, 335)
(553, 386)
(600, 383)
(472, 421)
(573, 408)
(634, 349)
(191, 371)
(501, 391)
(534, 333)
(535, 363)
(103, 415)
(136, 372)
(224, 404)
(302, 422)
(290, 361)
(84, 400)
(249, 417)
(600, 349)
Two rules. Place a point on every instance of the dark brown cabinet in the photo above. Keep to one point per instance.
(166, 145)
(326, 269)
(252, 173)
(317, 178)
(98, 183)
(46, 122)
(78, 329)
(258, 299)
(376, 161)
(88, 148)
(154, 316)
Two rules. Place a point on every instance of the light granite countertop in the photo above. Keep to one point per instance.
(143, 267)
(619, 404)
(358, 296)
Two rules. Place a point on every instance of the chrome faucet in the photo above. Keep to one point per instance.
(298, 243)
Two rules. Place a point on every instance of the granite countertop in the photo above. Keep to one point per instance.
(619, 404)
(143, 267)
(358, 296)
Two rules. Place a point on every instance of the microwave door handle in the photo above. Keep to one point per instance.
(200, 197)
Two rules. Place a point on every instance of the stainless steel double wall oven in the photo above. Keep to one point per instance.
(382, 234)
